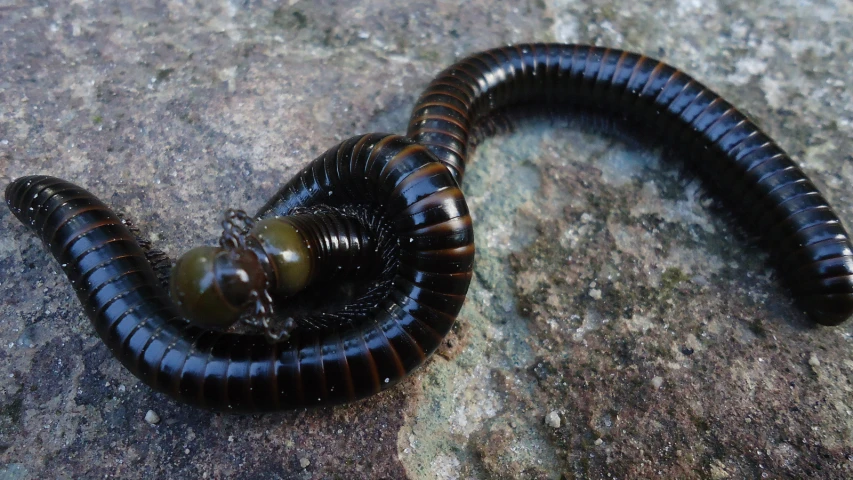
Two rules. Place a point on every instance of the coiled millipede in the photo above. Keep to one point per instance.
(389, 208)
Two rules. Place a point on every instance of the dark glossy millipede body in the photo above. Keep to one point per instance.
(755, 178)
(141, 325)
(432, 234)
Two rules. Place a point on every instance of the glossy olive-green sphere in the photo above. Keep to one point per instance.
(288, 253)
(213, 287)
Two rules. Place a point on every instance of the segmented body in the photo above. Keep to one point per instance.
(749, 171)
(419, 196)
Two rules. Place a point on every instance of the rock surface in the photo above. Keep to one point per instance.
(617, 326)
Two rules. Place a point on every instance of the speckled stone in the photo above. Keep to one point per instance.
(606, 292)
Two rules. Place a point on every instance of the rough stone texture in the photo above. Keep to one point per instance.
(606, 290)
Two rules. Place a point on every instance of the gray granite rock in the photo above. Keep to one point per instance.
(617, 327)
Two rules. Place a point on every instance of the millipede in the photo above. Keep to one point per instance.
(382, 217)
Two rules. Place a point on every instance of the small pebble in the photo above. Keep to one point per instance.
(657, 382)
(813, 361)
(599, 441)
(152, 418)
(553, 419)
(304, 462)
(595, 293)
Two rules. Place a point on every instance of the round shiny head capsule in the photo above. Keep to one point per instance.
(288, 253)
(213, 287)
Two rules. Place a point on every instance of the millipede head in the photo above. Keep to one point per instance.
(288, 253)
(215, 287)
